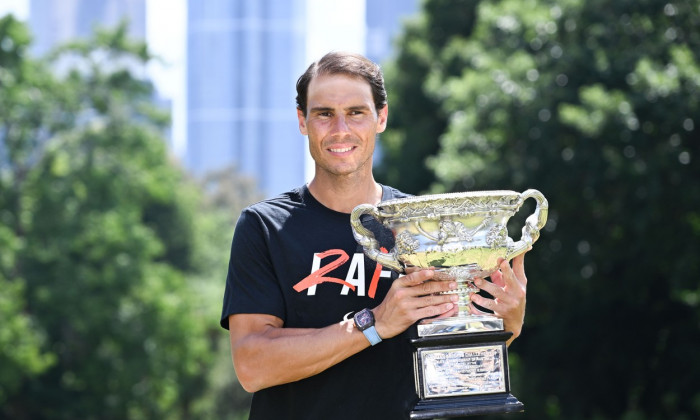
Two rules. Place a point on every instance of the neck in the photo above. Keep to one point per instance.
(345, 196)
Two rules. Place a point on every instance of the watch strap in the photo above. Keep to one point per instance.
(372, 335)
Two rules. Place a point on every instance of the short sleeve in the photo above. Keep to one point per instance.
(251, 283)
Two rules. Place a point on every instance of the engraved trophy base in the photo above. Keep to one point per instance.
(464, 373)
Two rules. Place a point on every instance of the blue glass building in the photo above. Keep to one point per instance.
(243, 60)
(54, 22)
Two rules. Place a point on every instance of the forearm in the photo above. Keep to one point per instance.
(279, 355)
(266, 354)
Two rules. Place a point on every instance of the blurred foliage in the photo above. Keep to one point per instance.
(596, 104)
(417, 119)
(112, 259)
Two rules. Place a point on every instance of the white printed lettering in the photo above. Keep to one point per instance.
(356, 275)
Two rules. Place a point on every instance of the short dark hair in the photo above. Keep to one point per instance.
(350, 64)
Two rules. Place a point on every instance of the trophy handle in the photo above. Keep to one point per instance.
(533, 224)
(366, 238)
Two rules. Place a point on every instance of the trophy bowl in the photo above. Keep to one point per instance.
(462, 236)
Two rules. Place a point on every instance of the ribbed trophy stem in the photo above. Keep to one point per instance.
(465, 290)
(464, 276)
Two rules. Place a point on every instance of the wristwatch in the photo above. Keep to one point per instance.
(364, 321)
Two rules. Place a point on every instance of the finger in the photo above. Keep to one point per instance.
(519, 269)
(415, 278)
(428, 288)
(451, 312)
(435, 299)
(481, 301)
(494, 290)
(412, 269)
(498, 307)
(508, 274)
(442, 310)
(497, 278)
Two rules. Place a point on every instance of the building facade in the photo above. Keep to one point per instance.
(55, 22)
(384, 22)
(243, 58)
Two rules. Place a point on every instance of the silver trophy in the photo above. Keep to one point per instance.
(460, 361)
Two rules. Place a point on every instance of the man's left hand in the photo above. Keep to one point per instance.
(507, 286)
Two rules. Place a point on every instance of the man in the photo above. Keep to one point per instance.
(296, 273)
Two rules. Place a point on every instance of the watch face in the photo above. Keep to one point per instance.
(363, 318)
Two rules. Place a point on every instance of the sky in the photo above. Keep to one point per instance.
(19, 7)
(166, 35)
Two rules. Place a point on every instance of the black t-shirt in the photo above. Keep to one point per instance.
(293, 258)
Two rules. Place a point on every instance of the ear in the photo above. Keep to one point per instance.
(302, 122)
(382, 117)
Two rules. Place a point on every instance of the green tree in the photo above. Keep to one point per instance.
(596, 104)
(23, 350)
(417, 119)
(103, 274)
(226, 193)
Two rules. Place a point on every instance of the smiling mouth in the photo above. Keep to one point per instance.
(342, 150)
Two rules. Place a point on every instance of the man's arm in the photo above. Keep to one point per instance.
(266, 354)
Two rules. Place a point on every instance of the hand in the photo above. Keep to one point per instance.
(411, 298)
(508, 287)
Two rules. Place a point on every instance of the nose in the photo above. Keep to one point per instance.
(340, 126)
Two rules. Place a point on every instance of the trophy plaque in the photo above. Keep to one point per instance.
(460, 362)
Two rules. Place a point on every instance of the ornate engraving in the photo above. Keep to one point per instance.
(438, 205)
(450, 228)
(497, 235)
(406, 243)
(464, 273)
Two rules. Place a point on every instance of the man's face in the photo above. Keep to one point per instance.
(341, 123)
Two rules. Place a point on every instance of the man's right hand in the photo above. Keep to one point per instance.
(411, 298)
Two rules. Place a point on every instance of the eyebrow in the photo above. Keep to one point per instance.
(358, 108)
(330, 109)
(320, 109)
